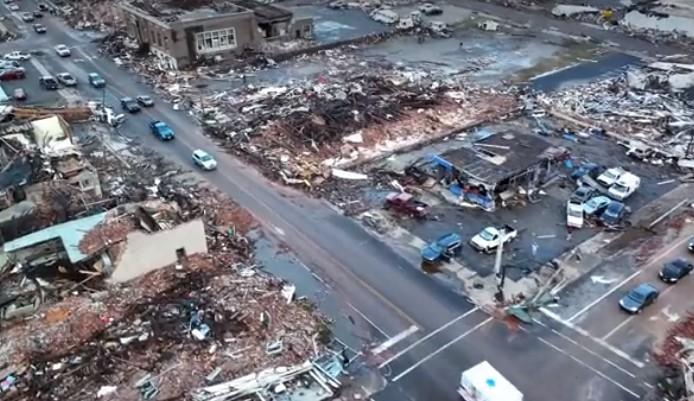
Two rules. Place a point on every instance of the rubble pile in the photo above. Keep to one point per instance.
(644, 105)
(99, 16)
(670, 352)
(296, 133)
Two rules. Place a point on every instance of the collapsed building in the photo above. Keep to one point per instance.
(180, 37)
(493, 169)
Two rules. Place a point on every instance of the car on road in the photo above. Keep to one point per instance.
(574, 213)
(674, 270)
(690, 245)
(48, 82)
(62, 51)
(582, 194)
(95, 80)
(443, 248)
(407, 204)
(161, 130)
(204, 160)
(638, 298)
(610, 176)
(12, 74)
(129, 104)
(37, 14)
(430, 9)
(614, 214)
(39, 28)
(145, 100)
(7, 1)
(596, 205)
(66, 79)
(17, 56)
(9, 64)
(43, 7)
(14, 7)
(27, 17)
(19, 94)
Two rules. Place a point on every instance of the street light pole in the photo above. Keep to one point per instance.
(103, 96)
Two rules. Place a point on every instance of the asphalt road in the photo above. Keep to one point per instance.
(381, 287)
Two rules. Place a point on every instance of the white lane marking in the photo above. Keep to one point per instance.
(428, 336)
(586, 349)
(619, 326)
(584, 333)
(394, 340)
(603, 296)
(448, 344)
(580, 362)
(648, 385)
(363, 316)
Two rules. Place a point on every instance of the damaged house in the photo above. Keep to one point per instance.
(181, 37)
(494, 169)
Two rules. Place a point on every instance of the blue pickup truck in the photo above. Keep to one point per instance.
(161, 130)
(443, 248)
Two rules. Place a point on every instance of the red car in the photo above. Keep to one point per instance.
(8, 75)
(406, 204)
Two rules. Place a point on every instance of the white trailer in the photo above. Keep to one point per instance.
(484, 383)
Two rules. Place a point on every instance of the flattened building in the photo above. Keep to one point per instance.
(180, 37)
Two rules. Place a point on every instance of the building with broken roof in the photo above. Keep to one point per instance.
(181, 36)
(494, 168)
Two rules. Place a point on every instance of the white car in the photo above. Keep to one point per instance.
(385, 16)
(627, 184)
(63, 51)
(204, 160)
(610, 176)
(17, 56)
(14, 7)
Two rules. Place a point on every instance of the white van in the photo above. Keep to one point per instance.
(626, 185)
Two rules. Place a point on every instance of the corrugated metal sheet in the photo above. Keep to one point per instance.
(70, 233)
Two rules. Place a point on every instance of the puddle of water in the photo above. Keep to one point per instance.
(638, 20)
(285, 266)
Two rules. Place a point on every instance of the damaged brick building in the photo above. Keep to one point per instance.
(180, 37)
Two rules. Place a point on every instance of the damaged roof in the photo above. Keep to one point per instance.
(265, 12)
(70, 234)
(500, 156)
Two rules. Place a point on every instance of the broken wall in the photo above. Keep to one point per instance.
(147, 252)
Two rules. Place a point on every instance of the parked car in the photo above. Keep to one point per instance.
(19, 94)
(488, 239)
(161, 130)
(9, 64)
(95, 80)
(204, 160)
(430, 9)
(145, 100)
(37, 14)
(690, 246)
(610, 176)
(129, 104)
(674, 270)
(638, 298)
(63, 51)
(48, 82)
(43, 7)
(38, 28)
(574, 213)
(444, 248)
(17, 56)
(583, 193)
(66, 79)
(626, 185)
(27, 17)
(12, 74)
(596, 205)
(590, 169)
(7, 1)
(406, 204)
(385, 16)
(439, 28)
(338, 4)
(614, 214)
(14, 7)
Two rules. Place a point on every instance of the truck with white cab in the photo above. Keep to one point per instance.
(488, 239)
(484, 383)
(626, 185)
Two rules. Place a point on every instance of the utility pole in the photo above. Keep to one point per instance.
(499, 270)
(103, 96)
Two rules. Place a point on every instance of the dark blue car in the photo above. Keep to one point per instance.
(445, 247)
(161, 130)
(614, 214)
(638, 298)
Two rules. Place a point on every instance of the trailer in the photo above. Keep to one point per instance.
(484, 383)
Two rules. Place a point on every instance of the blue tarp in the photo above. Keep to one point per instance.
(70, 233)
